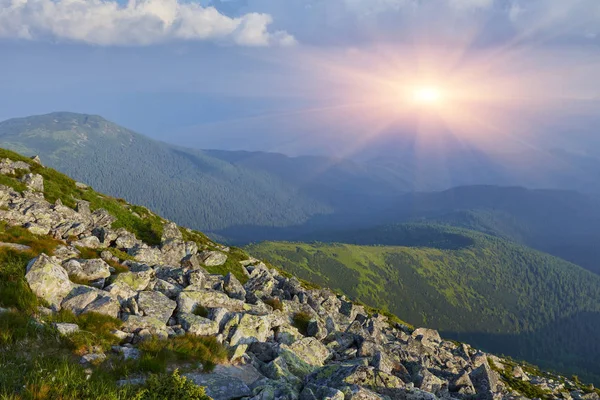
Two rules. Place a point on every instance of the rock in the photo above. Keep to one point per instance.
(192, 262)
(82, 186)
(170, 232)
(128, 353)
(484, 380)
(83, 299)
(91, 242)
(48, 280)
(212, 258)
(221, 387)
(313, 392)
(156, 305)
(136, 324)
(310, 350)
(430, 383)
(121, 291)
(36, 159)
(428, 337)
(520, 374)
(15, 246)
(233, 287)
(187, 301)
(238, 352)
(197, 325)
(168, 289)
(462, 384)
(93, 358)
(87, 270)
(138, 278)
(65, 328)
(37, 229)
(33, 182)
(344, 375)
(147, 255)
(251, 328)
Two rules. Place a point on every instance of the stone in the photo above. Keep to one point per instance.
(314, 392)
(138, 278)
(88, 270)
(212, 258)
(148, 255)
(170, 232)
(484, 380)
(121, 291)
(83, 299)
(66, 329)
(33, 182)
(187, 301)
(197, 325)
(156, 305)
(168, 289)
(462, 384)
(251, 328)
(428, 337)
(93, 358)
(151, 326)
(91, 242)
(310, 350)
(36, 159)
(15, 246)
(233, 287)
(82, 186)
(221, 387)
(128, 353)
(48, 280)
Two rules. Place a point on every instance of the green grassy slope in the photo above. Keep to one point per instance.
(465, 283)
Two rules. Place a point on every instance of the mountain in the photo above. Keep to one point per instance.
(237, 188)
(471, 286)
(563, 223)
(102, 299)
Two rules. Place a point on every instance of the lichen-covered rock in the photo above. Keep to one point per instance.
(156, 304)
(221, 387)
(310, 350)
(171, 232)
(66, 329)
(187, 301)
(136, 324)
(233, 287)
(88, 270)
(212, 258)
(33, 181)
(197, 325)
(48, 280)
(138, 278)
(251, 328)
(84, 299)
(485, 381)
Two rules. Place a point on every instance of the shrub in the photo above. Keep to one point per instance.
(173, 386)
(275, 303)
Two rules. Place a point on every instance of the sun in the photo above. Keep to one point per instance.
(427, 95)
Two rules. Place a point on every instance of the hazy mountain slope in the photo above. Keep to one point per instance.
(467, 283)
(189, 186)
(563, 223)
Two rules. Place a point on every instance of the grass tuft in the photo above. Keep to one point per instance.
(301, 320)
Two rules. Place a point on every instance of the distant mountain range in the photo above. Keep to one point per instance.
(252, 196)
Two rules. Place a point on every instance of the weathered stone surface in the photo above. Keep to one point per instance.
(83, 299)
(138, 278)
(212, 258)
(197, 325)
(33, 181)
(484, 380)
(251, 328)
(88, 270)
(170, 232)
(48, 280)
(156, 304)
(187, 301)
(233, 287)
(310, 350)
(66, 329)
(221, 387)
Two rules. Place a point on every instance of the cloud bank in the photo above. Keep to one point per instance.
(139, 22)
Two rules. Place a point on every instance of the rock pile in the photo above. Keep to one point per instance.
(286, 341)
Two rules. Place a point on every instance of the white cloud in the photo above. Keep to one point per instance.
(139, 22)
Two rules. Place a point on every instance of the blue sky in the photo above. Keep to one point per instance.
(278, 74)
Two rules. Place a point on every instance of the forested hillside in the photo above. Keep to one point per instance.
(464, 283)
(204, 190)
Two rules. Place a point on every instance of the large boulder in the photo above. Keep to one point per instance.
(84, 299)
(34, 181)
(197, 325)
(233, 287)
(170, 232)
(156, 304)
(138, 278)
(88, 270)
(212, 258)
(251, 328)
(220, 386)
(485, 381)
(48, 280)
(310, 350)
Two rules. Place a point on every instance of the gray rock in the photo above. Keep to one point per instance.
(33, 182)
(212, 258)
(187, 301)
(221, 387)
(313, 392)
(128, 353)
(66, 329)
(91, 242)
(251, 328)
(484, 380)
(233, 287)
(156, 304)
(88, 270)
(197, 325)
(171, 232)
(48, 280)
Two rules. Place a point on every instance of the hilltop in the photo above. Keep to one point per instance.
(101, 299)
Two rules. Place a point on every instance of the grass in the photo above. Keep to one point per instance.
(527, 389)
(38, 244)
(232, 265)
(205, 350)
(275, 303)
(94, 330)
(301, 320)
(14, 290)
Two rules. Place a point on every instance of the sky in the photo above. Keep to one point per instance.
(334, 77)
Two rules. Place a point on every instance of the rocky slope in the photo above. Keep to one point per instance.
(285, 339)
